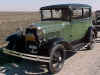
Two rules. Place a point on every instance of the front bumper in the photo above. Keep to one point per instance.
(26, 56)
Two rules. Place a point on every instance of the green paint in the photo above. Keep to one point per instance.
(70, 31)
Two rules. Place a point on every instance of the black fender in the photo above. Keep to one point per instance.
(88, 33)
(95, 31)
(55, 41)
(13, 37)
(49, 45)
(92, 28)
(15, 40)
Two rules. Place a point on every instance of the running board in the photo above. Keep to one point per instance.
(80, 47)
(26, 56)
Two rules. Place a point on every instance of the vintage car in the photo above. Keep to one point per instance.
(96, 20)
(97, 24)
(63, 28)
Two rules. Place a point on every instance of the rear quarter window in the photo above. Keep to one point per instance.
(80, 13)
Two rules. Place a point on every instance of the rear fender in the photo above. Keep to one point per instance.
(88, 33)
(90, 29)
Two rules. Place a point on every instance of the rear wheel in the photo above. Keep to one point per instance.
(57, 57)
(91, 41)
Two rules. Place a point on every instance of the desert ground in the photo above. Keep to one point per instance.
(9, 21)
(85, 62)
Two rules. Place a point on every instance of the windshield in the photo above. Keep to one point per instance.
(55, 14)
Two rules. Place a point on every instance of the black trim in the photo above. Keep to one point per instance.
(55, 41)
(64, 6)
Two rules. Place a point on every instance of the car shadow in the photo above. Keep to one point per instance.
(69, 54)
(24, 67)
(10, 65)
(16, 66)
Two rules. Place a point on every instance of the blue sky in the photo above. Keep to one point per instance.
(33, 5)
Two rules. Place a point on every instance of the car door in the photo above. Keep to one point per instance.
(67, 29)
(67, 32)
(86, 21)
(77, 23)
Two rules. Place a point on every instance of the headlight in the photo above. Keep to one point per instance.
(40, 33)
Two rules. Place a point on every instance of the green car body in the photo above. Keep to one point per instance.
(72, 29)
(64, 27)
(55, 29)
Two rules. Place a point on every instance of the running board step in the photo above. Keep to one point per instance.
(80, 46)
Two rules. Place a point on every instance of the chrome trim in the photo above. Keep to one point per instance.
(26, 56)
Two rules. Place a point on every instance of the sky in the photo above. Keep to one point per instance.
(34, 5)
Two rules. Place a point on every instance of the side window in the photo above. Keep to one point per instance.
(56, 13)
(86, 13)
(76, 13)
(46, 14)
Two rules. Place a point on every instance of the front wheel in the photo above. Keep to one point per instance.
(57, 57)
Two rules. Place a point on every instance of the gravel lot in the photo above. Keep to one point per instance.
(82, 63)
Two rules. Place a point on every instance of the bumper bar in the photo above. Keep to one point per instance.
(26, 56)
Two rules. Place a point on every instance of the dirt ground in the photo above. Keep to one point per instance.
(82, 63)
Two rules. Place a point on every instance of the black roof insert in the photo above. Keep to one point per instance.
(64, 6)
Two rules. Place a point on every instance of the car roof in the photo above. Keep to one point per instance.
(65, 6)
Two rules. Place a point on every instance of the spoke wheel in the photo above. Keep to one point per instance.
(56, 59)
(92, 41)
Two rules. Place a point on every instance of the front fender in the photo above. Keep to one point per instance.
(54, 41)
(13, 37)
(49, 44)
